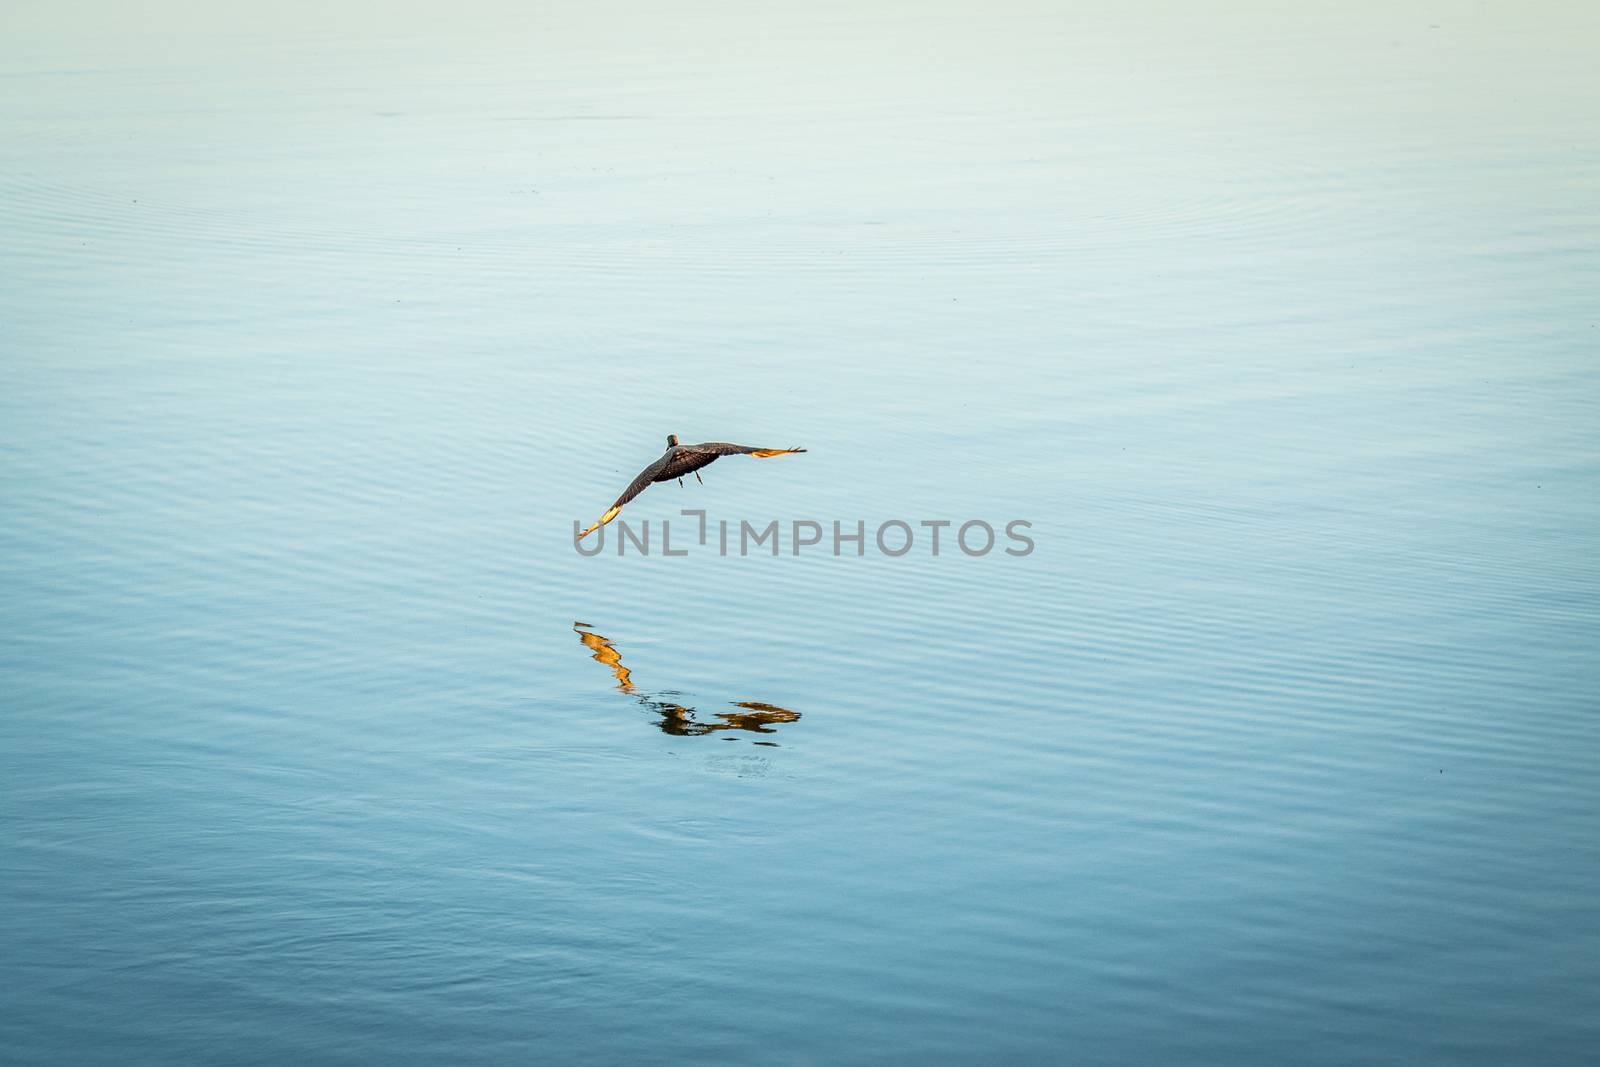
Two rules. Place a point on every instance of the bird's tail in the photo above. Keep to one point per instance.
(763, 453)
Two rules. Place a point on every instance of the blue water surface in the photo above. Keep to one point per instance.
(322, 324)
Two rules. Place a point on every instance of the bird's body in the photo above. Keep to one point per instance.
(679, 461)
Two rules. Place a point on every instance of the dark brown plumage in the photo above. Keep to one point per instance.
(678, 461)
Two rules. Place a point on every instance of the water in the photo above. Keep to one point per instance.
(321, 327)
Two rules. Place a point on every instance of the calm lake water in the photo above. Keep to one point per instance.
(322, 324)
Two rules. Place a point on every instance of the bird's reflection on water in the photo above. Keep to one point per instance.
(676, 719)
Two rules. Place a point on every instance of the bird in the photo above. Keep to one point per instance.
(678, 461)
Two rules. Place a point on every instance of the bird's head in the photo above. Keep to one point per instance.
(672, 440)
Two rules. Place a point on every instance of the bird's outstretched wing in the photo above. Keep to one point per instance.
(686, 459)
(635, 487)
(723, 448)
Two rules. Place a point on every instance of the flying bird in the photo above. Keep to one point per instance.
(678, 461)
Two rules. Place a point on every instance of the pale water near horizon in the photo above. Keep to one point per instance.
(322, 325)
